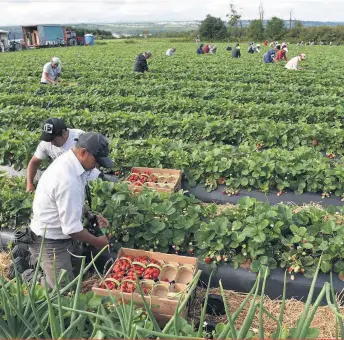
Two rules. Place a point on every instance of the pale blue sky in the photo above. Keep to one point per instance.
(22, 12)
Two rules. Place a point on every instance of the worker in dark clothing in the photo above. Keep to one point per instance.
(141, 64)
(236, 51)
(200, 49)
(269, 56)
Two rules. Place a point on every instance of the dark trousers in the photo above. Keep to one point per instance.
(59, 251)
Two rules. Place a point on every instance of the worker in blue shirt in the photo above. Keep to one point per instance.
(269, 56)
(200, 49)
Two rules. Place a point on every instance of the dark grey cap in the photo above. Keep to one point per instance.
(97, 145)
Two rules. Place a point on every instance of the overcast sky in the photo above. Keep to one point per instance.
(23, 12)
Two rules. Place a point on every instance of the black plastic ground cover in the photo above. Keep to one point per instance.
(242, 280)
(217, 197)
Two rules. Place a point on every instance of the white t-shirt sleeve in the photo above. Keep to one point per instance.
(46, 68)
(41, 151)
(69, 202)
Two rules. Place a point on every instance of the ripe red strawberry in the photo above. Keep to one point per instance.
(117, 173)
(207, 260)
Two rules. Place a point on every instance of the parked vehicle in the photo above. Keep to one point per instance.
(44, 36)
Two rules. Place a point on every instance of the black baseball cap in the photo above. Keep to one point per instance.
(52, 128)
(97, 145)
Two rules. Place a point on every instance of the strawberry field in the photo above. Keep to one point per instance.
(219, 120)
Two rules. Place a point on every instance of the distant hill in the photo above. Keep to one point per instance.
(136, 28)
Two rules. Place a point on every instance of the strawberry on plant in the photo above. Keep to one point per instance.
(207, 260)
(315, 142)
(117, 173)
(221, 180)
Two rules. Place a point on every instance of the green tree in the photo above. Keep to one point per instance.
(275, 28)
(255, 30)
(235, 28)
(296, 30)
(213, 28)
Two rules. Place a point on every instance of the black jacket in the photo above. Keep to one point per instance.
(236, 53)
(141, 64)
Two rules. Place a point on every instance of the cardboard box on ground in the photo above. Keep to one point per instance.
(164, 296)
(161, 180)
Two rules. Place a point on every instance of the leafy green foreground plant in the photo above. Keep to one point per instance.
(31, 311)
(252, 232)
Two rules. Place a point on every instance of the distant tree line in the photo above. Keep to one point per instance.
(212, 28)
(98, 34)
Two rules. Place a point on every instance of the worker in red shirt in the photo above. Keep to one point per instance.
(265, 43)
(282, 54)
(206, 49)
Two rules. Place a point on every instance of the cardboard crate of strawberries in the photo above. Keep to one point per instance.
(162, 180)
(162, 277)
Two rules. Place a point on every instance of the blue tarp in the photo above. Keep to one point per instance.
(52, 34)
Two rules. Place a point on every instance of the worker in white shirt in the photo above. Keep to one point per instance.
(2, 46)
(170, 52)
(294, 63)
(51, 71)
(56, 139)
(58, 207)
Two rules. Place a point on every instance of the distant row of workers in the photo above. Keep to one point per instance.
(278, 53)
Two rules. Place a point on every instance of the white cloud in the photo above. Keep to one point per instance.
(24, 12)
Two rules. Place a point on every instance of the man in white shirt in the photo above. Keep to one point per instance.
(170, 52)
(58, 206)
(56, 139)
(293, 64)
(51, 71)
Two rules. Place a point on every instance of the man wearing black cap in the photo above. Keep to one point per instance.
(58, 206)
(56, 139)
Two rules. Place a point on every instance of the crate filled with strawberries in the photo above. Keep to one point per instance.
(162, 180)
(163, 278)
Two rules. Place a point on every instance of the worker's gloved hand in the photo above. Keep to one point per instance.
(109, 178)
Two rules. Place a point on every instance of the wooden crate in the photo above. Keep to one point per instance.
(162, 308)
(175, 185)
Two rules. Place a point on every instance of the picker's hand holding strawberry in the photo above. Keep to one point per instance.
(102, 221)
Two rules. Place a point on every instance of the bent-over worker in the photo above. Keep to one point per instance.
(282, 54)
(58, 207)
(200, 49)
(51, 71)
(236, 51)
(170, 52)
(56, 139)
(293, 64)
(141, 64)
(269, 56)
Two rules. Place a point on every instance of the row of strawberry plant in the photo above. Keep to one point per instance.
(191, 128)
(302, 170)
(221, 106)
(252, 233)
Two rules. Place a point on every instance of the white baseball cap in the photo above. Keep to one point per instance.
(56, 61)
